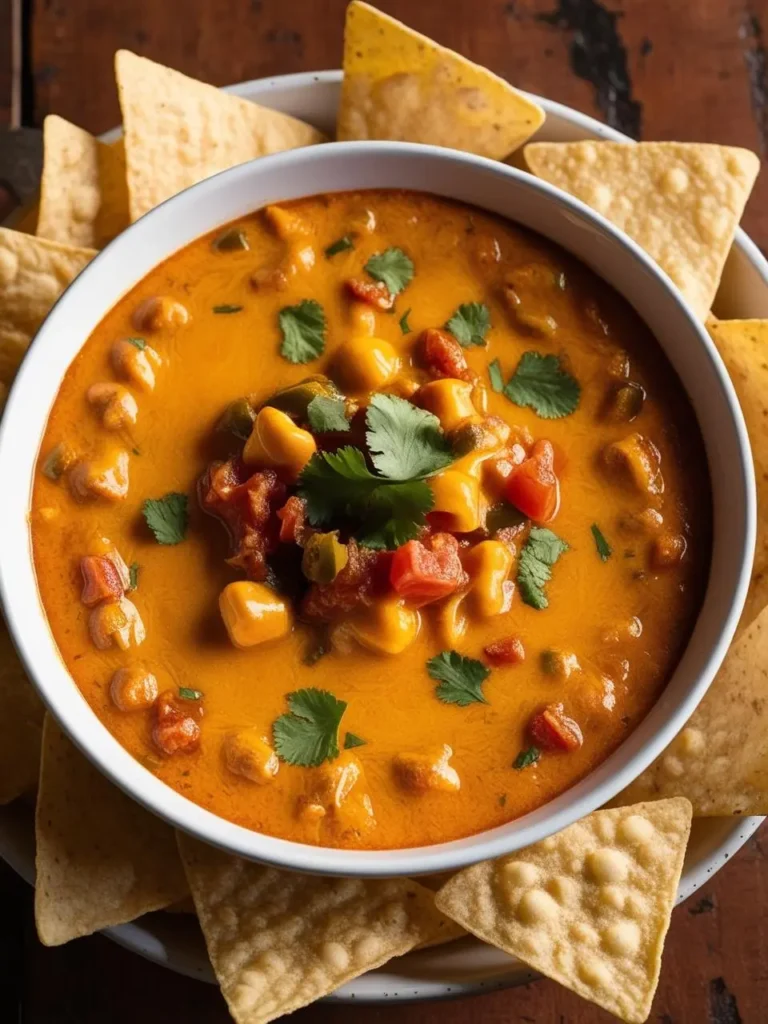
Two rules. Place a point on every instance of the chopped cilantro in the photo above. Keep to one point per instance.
(470, 323)
(133, 575)
(406, 442)
(135, 451)
(138, 343)
(303, 330)
(186, 694)
(526, 758)
(227, 309)
(405, 327)
(326, 414)
(167, 517)
(460, 678)
(604, 549)
(315, 653)
(503, 800)
(540, 383)
(351, 741)
(232, 240)
(393, 268)
(340, 245)
(494, 372)
(309, 733)
(534, 568)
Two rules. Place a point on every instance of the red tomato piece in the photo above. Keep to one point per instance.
(507, 651)
(101, 580)
(423, 573)
(174, 732)
(292, 518)
(533, 486)
(443, 356)
(552, 729)
(374, 294)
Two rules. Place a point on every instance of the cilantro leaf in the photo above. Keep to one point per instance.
(351, 741)
(395, 514)
(340, 245)
(405, 327)
(133, 575)
(309, 733)
(494, 372)
(604, 549)
(167, 517)
(138, 343)
(460, 678)
(406, 442)
(186, 694)
(534, 568)
(470, 323)
(326, 414)
(540, 383)
(303, 329)
(393, 268)
(526, 758)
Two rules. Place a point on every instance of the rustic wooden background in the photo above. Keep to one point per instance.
(657, 69)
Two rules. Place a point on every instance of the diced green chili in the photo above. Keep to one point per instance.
(324, 557)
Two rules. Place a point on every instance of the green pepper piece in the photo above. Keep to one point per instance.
(557, 663)
(324, 557)
(627, 402)
(237, 419)
(232, 240)
(59, 460)
(295, 399)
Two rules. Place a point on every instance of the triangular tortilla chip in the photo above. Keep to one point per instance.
(720, 759)
(279, 940)
(21, 725)
(588, 907)
(179, 131)
(83, 192)
(400, 85)
(33, 274)
(743, 344)
(681, 202)
(102, 859)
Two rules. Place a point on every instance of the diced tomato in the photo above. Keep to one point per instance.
(174, 732)
(533, 486)
(423, 573)
(292, 516)
(552, 729)
(507, 651)
(443, 356)
(376, 295)
(353, 586)
(101, 580)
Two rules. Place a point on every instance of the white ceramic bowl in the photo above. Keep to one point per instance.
(497, 188)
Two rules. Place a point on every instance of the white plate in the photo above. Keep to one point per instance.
(466, 966)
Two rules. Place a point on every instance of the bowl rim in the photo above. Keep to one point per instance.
(183, 813)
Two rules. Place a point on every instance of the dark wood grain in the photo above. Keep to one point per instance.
(659, 69)
(8, 68)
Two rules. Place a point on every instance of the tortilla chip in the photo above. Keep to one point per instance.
(279, 940)
(589, 907)
(720, 759)
(680, 201)
(400, 85)
(21, 725)
(743, 344)
(83, 192)
(179, 131)
(33, 274)
(102, 859)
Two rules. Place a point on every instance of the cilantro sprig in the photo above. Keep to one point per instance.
(303, 328)
(393, 268)
(405, 442)
(324, 414)
(534, 570)
(541, 383)
(460, 678)
(526, 758)
(309, 733)
(470, 323)
(167, 517)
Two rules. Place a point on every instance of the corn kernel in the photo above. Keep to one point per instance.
(252, 613)
(388, 627)
(489, 565)
(457, 495)
(450, 400)
(367, 364)
(278, 443)
(249, 754)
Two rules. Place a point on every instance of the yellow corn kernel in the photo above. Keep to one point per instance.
(286, 223)
(278, 443)
(367, 364)
(335, 796)
(116, 624)
(103, 477)
(420, 771)
(253, 613)
(159, 313)
(133, 688)
(451, 620)
(450, 400)
(115, 403)
(489, 565)
(363, 319)
(457, 495)
(136, 364)
(249, 754)
(387, 627)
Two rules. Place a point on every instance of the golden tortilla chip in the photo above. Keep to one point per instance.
(102, 859)
(279, 940)
(681, 202)
(83, 192)
(179, 131)
(589, 907)
(21, 725)
(33, 274)
(720, 759)
(400, 85)
(743, 345)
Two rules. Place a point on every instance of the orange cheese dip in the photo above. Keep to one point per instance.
(497, 617)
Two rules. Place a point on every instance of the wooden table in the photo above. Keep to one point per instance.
(658, 69)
